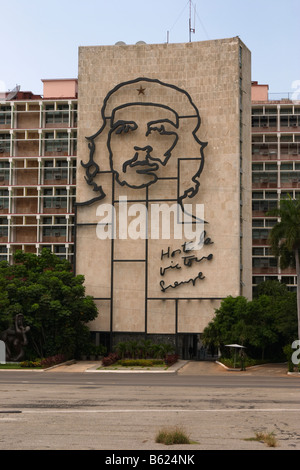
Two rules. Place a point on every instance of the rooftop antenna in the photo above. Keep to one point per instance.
(12, 94)
(191, 30)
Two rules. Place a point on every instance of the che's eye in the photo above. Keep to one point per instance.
(160, 129)
(124, 127)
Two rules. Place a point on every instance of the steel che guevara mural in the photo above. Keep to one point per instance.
(148, 136)
(146, 123)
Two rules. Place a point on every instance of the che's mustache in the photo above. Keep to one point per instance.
(144, 161)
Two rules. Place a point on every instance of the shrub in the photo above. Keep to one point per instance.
(268, 438)
(172, 436)
(288, 351)
(140, 362)
(143, 349)
(31, 364)
(171, 359)
(53, 360)
(110, 359)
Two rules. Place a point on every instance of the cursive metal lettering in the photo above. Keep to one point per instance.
(177, 284)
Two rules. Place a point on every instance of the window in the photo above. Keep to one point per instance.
(58, 144)
(5, 115)
(264, 177)
(271, 166)
(257, 111)
(3, 231)
(257, 166)
(260, 234)
(4, 143)
(257, 279)
(257, 251)
(285, 110)
(270, 222)
(3, 199)
(271, 110)
(4, 170)
(47, 221)
(290, 177)
(257, 195)
(3, 253)
(60, 221)
(257, 223)
(287, 280)
(54, 231)
(264, 263)
(60, 251)
(271, 195)
(286, 166)
(60, 115)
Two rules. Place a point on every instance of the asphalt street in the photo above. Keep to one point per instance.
(74, 407)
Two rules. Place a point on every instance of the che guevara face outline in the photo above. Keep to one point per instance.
(147, 138)
(109, 124)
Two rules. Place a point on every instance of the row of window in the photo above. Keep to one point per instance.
(58, 141)
(46, 231)
(60, 250)
(273, 110)
(264, 263)
(285, 177)
(273, 121)
(288, 280)
(59, 114)
(59, 220)
(283, 166)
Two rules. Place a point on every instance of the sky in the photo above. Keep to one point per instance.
(40, 39)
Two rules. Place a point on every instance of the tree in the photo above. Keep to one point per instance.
(260, 324)
(284, 239)
(52, 300)
(264, 325)
(284, 308)
(228, 325)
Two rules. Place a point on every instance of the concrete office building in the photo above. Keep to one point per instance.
(162, 125)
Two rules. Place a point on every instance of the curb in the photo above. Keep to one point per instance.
(33, 369)
(67, 363)
(171, 370)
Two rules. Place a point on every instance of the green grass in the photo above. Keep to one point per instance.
(140, 362)
(137, 363)
(172, 436)
(18, 366)
(10, 366)
(21, 365)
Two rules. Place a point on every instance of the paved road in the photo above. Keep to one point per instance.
(68, 408)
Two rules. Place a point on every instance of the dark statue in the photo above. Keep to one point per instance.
(15, 339)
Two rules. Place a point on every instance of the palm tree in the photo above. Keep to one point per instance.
(284, 239)
(121, 349)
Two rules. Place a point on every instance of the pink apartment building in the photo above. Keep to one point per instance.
(38, 136)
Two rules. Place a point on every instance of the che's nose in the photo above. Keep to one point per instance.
(146, 149)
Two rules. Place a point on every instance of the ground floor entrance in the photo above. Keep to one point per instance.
(188, 346)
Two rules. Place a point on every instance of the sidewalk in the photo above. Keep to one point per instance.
(180, 368)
